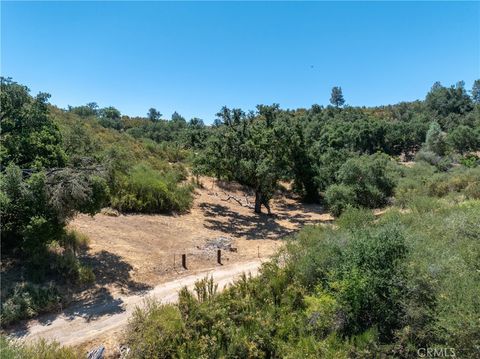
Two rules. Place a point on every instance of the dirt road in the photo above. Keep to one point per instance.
(133, 256)
(128, 252)
(82, 324)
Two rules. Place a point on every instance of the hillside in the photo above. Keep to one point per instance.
(365, 218)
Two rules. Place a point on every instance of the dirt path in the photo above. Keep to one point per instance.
(79, 324)
(132, 256)
(131, 252)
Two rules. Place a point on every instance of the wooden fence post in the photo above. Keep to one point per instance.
(184, 261)
(219, 256)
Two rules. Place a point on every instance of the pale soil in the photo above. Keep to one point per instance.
(133, 254)
(141, 248)
(103, 322)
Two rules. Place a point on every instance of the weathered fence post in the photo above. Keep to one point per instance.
(184, 261)
(219, 256)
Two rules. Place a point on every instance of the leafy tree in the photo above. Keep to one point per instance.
(89, 110)
(463, 139)
(339, 197)
(196, 133)
(177, 117)
(29, 138)
(365, 181)
(315, 109)
(154, 115)
(246, 149)
(36, 206)
(38, 194)
(476, 91)
(110, 118)
(110, 113)
(297, 158)
(336, 99)
(443, 101)
(435, 140)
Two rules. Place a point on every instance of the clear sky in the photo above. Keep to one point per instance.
(194, 57)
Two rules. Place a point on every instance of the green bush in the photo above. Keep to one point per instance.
(364, 288)
(155, 330)
(40, 349)
(458, 181)
(86, 275)
(472, 190)
(422, 185)
(354, 218)
(149, 191)
(27, 300)
(470, 160)
(339, 197)
(364, 181)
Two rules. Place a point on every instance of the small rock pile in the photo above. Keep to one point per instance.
(223, 243)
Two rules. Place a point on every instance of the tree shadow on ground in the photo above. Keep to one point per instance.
(254, 226)
(109, 269)
(306, 208)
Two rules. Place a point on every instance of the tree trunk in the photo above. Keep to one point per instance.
(258, 202)
(266, 204)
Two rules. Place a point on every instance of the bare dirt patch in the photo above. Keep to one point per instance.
(129, 252)
(131, 255)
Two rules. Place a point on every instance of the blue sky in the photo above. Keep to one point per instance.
(194, 57)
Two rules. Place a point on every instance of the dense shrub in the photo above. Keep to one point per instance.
(149, 191)
(435, 140)
(28, 300)
(155, 331)
(35, 208)
(340, 197)
(366, 181)
(40, 349)
(354, 218)
(463, 139)
(422, 184)
(365, 288)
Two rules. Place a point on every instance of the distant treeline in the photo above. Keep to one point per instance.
(56, 163)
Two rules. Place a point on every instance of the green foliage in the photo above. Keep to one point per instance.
(336, 99)
(40, 349)
(464, 138)
(149, 191)
(382, 288)
(247, 150)
(370, 282)
(30, 138)
(153, 114)
(476, 91)
(155, 331)
(28, 220)
(339, 197)
(422, 183)
(35, 209)
(366, 181)
(436, 140)
(354, 218)
(28, 300)
(86, 111)
(327, 165)
(443, 101)
(470, 160)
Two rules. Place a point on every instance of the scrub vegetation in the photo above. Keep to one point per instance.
(364, 286)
